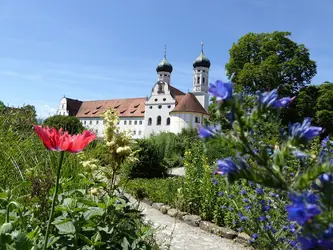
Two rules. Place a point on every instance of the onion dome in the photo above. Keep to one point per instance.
(202, 60)
(164, 65)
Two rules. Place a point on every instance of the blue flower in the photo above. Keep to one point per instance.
(300, 154)
(248, 207)
(214, 181)
(255, 236)
(324, 142)
(301, 211)
(262, 218)
(227, 166)
(208, 131)
(283, 102)
(223, 207)
(242, 217)
(259, 191)
(246, 200)
(230, 196)
(309, 242)
(220, 193)
(240, 229)
(267, 98)
(222, 91)
(230, 208)
(304, 131)
(266, 208)
(243, 192)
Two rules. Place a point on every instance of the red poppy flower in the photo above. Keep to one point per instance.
(62, 141)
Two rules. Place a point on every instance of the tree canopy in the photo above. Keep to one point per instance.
(269, 60)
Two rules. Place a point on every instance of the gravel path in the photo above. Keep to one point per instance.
(175, 234)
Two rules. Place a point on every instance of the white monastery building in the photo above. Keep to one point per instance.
(167, 109)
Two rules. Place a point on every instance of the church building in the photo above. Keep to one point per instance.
(167, 108)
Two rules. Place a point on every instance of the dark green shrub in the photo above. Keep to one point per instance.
(149, 164)
(68, 123)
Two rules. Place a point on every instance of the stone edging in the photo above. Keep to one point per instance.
(195, 221)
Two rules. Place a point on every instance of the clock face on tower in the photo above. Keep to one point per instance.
(198, 88)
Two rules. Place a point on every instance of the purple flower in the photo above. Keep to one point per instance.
(246, 200)
(267, 98)
(266, 208)
(227, 166)
(301, 211)
(259, 191)
(324, 142)
(262, 218)
(221, 90)
(220, 193)
(243, 192)
(255, 236)
(300, 154)
(223, 207)
(240, 229)
(230, 208)
(230, 196)
(304, 131)
(214, 181)
(309, 242)
(248, 207)
(283, 102)
(208, 131)
(242, 217)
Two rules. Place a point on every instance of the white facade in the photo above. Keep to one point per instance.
(62, 109)
(182, 120)
(156, 116)
(158, 107)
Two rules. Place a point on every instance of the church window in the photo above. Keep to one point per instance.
(129, 122)
(96, 122)
(140, 122)
(135, 122)
(63, 106)
(156, 100)
(139, 132)
(160, 74)
(159, 106)
(159, 120)
(90, 122)
(198, 80)
(168, 121)
(197, 119)
(204, 71)
(149, 121)
(203, 80)
(85, 122)
(164, 99)
(125, 122)
(151, 107)
(169, 106)
(117, 123)
(134, 132)
(198, 70)
(165, 74)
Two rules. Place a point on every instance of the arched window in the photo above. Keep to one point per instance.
(198, 79)
(203, 80)
(159, 120)
(149, 121)
(168, 121)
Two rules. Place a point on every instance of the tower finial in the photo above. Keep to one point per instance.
(165, 51)
(202, 44)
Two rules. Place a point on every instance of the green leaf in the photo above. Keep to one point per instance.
(66, 227)
(6, 228)
(21, 240)
(92, 212)
(125, 244)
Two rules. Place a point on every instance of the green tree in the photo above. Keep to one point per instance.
(68, 123)
(269, 60)
(324, 113)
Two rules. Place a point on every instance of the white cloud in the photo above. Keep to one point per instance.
(45, 111)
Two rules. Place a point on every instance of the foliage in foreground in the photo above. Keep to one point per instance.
(87, 213)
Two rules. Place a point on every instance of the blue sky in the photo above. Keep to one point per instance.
(109, 49)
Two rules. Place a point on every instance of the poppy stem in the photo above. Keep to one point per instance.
(53, 200)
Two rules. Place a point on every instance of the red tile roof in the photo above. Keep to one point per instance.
(130, 107)
(189, 103)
